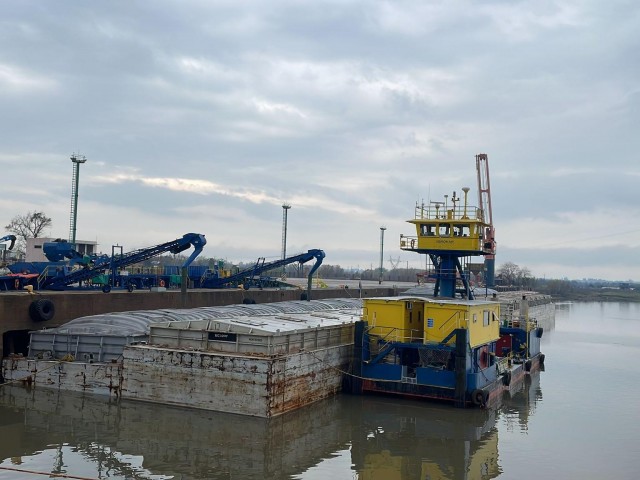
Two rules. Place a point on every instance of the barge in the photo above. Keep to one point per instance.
(259, 360)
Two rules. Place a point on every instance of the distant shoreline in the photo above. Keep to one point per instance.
(599, 295)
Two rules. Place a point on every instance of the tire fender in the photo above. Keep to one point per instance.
(42, 310)
(479, 397)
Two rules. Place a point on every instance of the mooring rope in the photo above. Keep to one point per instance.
(48, 474)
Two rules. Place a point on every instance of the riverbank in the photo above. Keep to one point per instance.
(599, 295)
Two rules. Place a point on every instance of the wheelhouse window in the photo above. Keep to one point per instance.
(427, 230)
(444, 230)
(461, 230)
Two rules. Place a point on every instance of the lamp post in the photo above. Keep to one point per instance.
(75, 180)
(382, 229)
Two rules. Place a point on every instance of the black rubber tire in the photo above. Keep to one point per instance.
(130, 288)
(540, 332)
(42, 310)
(541, 359)
(479, 397)
(527, 366)
(106, 288)
(246, 301)
(303, 296)
(506, 379)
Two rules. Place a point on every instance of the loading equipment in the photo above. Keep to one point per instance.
(251, 276)
(7, 238)
(104, 263)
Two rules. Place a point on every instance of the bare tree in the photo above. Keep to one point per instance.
(26, 226)
(509, 273)
(524, 277)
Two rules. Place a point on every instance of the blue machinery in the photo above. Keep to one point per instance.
(251, 276)
(94, 266)
(68, 267)
(7, 238)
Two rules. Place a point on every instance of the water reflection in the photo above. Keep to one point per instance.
(520, 405)
(172, 442)
(411, 440)
(372, 437)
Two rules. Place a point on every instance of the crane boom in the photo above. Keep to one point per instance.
(484, 187)
(484, 202)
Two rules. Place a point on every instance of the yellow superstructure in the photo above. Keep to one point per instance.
(415, 319)
(455, 229)
(395, 319)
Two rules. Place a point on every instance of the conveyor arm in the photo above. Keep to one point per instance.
(260, 268)
(175, 246)
(7, 238)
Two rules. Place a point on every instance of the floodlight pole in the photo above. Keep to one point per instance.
(285, 209)
(382, 229)
(75, 180)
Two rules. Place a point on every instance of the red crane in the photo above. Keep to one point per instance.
(484, 202)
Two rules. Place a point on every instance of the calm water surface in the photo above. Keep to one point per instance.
(579, 419)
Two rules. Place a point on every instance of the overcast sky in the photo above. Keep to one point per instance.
(206, 116)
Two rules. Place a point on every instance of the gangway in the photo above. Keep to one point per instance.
(102, 264)
(248, 276)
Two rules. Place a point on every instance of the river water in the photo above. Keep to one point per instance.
(579, 419)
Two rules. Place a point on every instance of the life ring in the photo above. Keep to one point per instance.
(483, 359)
(162, 283)
(42, 310)
(17, 284)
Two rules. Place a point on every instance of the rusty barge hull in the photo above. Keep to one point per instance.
(260, 365)
(247, 385)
